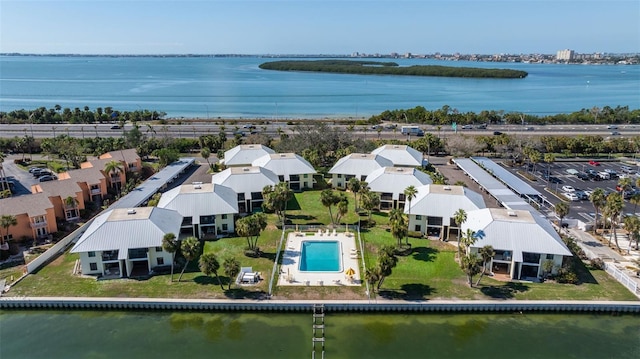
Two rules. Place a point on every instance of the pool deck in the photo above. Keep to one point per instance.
(290, 275)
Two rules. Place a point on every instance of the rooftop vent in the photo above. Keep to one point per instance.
(283, 155)
(446, 188)
(197, 185)
(246, 169)
(512, 214)
(131, 211)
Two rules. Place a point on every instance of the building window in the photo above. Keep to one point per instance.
(339, 175)
(92, 254)
(158, 249)
(160, 261)
(225, 227)
(224, 216)
(418, 228)
(550, 256)
(418, 217)
(93, 266)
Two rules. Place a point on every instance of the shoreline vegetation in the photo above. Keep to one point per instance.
(446, 115)
(390, 68)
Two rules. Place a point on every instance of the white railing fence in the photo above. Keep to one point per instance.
(622, 277)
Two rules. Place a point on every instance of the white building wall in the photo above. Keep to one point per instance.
(85, 261)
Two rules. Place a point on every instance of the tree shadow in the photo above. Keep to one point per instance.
(505, 291)
(412, 291)
(241, 293)
(304, 217)
(425, 254)
(205, 280)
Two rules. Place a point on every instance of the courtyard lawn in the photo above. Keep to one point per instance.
(430, 272)
(56, 278)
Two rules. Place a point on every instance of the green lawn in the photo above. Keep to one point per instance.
(429, 271)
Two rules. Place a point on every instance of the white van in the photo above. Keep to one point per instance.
(604, 175)
(626, 169)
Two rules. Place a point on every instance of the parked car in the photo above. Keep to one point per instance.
(583, 176)
(571, 196)
(34, 169)
(572, 171)
(626, 169)
(568, 188)
(604, 175)
(587, 193)
(47, 178)
(594, 163)
(553, 179)
(581, 194)
(611, 172)
(41, 172)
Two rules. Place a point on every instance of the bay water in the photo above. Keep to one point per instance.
(212, 87)
(93, 334)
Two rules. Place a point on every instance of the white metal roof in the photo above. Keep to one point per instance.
(400, 155)
(285, 164)
(515, 230)
(154, 183)
(509, 179)
(444, 201)
(396, 179)
(244, 155)
(200, 199)
(246, 179)
(360, 164)
(125, 228)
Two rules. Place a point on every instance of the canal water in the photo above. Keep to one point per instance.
(92, 334)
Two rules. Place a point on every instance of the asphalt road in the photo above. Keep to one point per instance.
(196, 129)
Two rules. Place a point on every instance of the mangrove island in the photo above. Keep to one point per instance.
(390, 68)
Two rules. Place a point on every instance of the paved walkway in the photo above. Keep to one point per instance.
(595, 248)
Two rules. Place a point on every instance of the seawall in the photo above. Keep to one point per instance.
(65, 303)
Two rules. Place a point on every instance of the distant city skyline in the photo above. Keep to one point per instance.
(141, 27)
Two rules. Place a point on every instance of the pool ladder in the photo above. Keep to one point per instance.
(318, 330)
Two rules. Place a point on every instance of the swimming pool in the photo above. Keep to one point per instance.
(320, 256)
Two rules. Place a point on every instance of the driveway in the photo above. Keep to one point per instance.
(22, 179)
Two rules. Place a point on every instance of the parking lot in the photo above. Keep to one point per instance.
(569, 174)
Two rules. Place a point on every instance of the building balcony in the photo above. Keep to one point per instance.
(96, 191)
(110, 256)
(38, 224)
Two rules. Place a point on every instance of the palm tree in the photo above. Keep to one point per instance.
(206, 153)
(231, 269)
(470, 266)
(459, 217)
(328, 199)
(562, 210)
(112, 168)
(409, 194)
(632, 225)
(209, 264)
(6, 221)
(171, 245)
(398, 224)
(613, 209)
(624, 184)
(190, 249)
(354, 185)
(635, 199)
(486, 253)
(598, 199)
(470, 237)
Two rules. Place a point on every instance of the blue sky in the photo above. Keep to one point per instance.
(318, 26)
